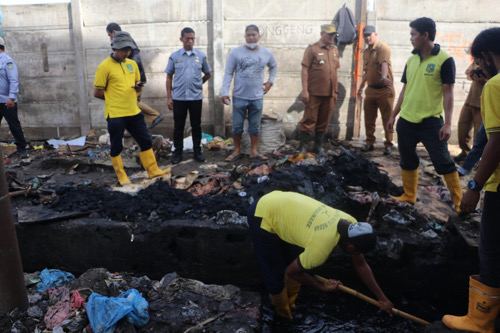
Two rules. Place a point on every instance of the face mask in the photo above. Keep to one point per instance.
(252, 46)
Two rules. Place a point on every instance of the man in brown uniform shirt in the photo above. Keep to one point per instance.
(319, 88)
(380, 92)
(470, 115)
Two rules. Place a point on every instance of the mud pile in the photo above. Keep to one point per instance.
(324, 182)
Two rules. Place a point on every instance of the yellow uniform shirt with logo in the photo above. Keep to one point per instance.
(117, 80)
(490, 111)
(424, 87)
(300, 220)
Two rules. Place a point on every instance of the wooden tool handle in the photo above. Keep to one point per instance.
(372, 301)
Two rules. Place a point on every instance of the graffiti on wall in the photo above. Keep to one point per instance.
(456, 45)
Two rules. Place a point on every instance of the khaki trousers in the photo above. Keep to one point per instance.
(470, 116)
(382, 99)
(317, 114)
(150, 114)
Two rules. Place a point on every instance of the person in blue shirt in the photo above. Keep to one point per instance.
(185, 92)
(9, 88)
(247, 63)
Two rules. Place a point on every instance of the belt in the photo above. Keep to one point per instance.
(376, 87)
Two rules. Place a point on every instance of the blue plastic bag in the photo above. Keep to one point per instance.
(52, 278)
(206, 136)
(104, 312)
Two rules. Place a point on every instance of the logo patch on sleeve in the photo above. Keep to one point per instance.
(10, 65)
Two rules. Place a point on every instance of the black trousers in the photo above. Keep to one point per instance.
(427, 132)
(489, 241)
(272, 253)
(181, 109)
(14, 125)
(135, 125)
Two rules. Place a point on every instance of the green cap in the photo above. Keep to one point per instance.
(328, 28)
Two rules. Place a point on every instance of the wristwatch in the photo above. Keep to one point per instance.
(383, 78)
(473, 186)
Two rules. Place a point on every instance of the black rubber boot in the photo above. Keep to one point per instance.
(177, 157)
(318, 143)
(304, 141)
(198, 155)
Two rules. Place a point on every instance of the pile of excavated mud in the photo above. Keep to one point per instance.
(160, 201)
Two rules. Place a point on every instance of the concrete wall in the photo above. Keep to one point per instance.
(58, 48)
(49, 101)
(48, 97)
(287, 28)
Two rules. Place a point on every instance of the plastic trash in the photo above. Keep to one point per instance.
(104, 312)
(206, 136)
(60, 311)
(34, 183)
(434, 225)
(92, 154)
(394, 217)
(217, 143)
(429, 234)
(262, 179)
(53, 278)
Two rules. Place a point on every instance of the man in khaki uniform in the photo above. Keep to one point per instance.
(319, 88)
(377, 72)
(470, 115)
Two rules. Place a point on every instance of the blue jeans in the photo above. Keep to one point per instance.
(427, 132)
(240, 108)
(476, 152)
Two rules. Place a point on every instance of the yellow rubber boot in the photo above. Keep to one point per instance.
(484, 306)
(148, 160)
(119, 170)
(280, 302)
(410, 183)
(453, 183)
(292, 289)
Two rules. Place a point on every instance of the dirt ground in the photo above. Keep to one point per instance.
(47, 169)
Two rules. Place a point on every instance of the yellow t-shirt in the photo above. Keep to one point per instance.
(300, 220)
(117, 80)
(490, 111)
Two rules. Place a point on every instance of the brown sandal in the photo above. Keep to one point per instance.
(232, 158)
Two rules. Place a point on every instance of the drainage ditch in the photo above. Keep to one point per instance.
(421, 265)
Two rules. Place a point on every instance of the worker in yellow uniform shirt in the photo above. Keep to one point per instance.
(117, 80)
(281, 222)
(484, 289)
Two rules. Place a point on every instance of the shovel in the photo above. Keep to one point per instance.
(372, 301)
